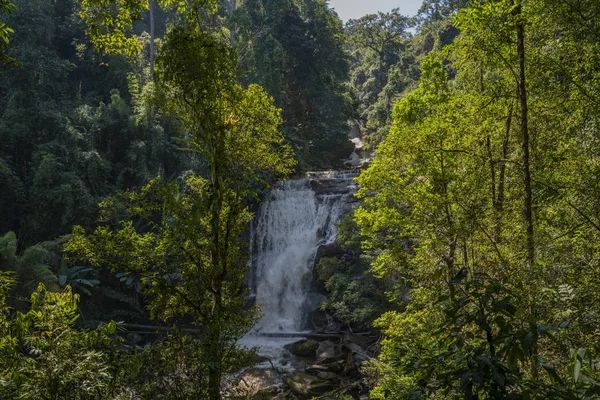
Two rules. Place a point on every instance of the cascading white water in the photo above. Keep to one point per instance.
(296, 218)
(292, 223)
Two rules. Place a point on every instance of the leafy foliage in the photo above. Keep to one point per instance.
(70, 134)
(386, 58)
(473, 215)
(6, 7)
(188, 251)
(355, 296)
(30, 268)
(44, 357)
(295, 50)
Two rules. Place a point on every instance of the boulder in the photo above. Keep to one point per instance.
(329, 376)
(354, 348)
(303, 348)
(256, 381)
(307, 386)
(260, 359)
(329, 250)
(335, 366)
(326, 351)
(332, 186)
(352, 161)
(360, 340)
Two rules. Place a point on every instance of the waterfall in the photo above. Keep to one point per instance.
(296, 218)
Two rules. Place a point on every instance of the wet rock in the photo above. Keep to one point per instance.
(328, 376)
(303, 348)
(260, 359)
(360, 340)
(333, 326)
(319, 320)
(256, 381)
(315, 298)
(329, 250)
(339, 358)
(326, 351)
(352, 161)
(306, 386)
(335, 366)
(353, 347)
(350, 205)
(332, 186)
(316, 368)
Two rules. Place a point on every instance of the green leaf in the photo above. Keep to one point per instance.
(552, 372)
(499, 378)
(505, 306)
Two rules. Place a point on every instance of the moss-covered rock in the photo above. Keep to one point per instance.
(303, 348)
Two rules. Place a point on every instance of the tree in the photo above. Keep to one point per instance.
(110, 25)
(436, 10)
(6, 7)
(295, 50)
(30, 268)
(43, 357)
(190, 252)
(235, 131)
(381, 33)
(473, 216)
(378, 45)
(12, 198)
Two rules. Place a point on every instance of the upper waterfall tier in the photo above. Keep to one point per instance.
(297, 217)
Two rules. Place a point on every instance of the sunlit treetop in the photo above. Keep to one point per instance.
(109, 22)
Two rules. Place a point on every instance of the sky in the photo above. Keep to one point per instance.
(352, 9)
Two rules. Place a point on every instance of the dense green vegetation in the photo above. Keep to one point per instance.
(136, 136)
(482, 200)
(295, 50)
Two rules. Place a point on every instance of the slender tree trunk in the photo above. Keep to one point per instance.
(218, 264)
(492, 164)
(152, 5)
(232, 6)
(528, 198)
(499, 202)
(522, 92)
(214, 369)
(449, 258)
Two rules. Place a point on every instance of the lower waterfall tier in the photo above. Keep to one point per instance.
(291, 225)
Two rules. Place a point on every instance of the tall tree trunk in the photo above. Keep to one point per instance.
(522, 92)
(214, 369)
(218, 264)
(232, 6)
(528, 198)
(499, 202)
(152, 5)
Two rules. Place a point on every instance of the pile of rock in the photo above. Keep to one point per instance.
(323, 367)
